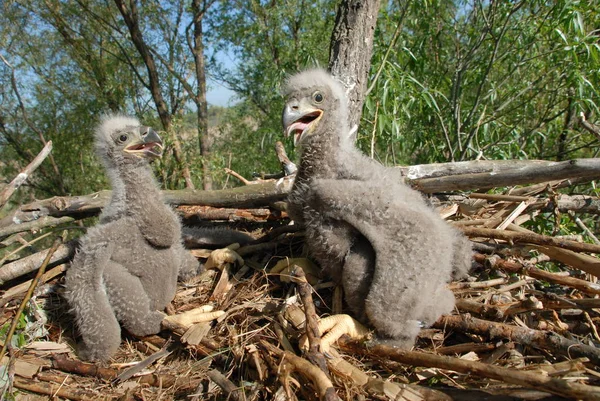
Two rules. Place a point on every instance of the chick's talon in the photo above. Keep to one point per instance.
(220, 257)
(286, 266)
(336, 326)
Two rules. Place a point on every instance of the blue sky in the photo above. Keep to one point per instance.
(218, 95)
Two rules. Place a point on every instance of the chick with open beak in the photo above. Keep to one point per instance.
(301, 116)
(145, 143)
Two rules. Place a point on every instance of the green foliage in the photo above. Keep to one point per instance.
(498, 80)
(451, 80)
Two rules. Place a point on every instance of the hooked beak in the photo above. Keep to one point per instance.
(299, 120)
(149, 146)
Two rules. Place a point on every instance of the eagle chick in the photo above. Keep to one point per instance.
(371, 233)
(127, 266)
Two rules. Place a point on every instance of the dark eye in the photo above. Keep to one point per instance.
(317, 97)
(123, 138)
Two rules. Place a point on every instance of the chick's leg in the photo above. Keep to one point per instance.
(86, 295)
(130, 301)
(462, 257)
(357, 276)
(189, 265)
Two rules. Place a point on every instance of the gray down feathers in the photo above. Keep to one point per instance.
(127, 267)
(375, 236)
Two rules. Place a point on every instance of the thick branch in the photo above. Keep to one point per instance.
(541, 339)
(490, 174)
(531, 238)
(527, 379)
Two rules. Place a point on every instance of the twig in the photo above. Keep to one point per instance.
(535, 338)
(592, 128)
(528, 379)
(319, 379)
(585, 229)
(130, 372)
(239, 177)
(312, 327)
(287, 165)
(6, 192)
(34, 283)
(496, 262)
(231, 390)
(530, 238)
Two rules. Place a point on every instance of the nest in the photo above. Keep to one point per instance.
(519, 330)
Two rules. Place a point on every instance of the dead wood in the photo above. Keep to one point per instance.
(527, 379)
(592, 128)
(252, 300)
(312, 327)
(230, 389)
(82, 368)
(426, 178)
(530, 238)
(129, 373)
(35, 225)
(228, 214)
(32, 286)
(30, 263)
(319, 379)
(107, 374)
(12, 186)
(495, 261)
(541, 339)
(287, 165)
(459, 176)
(58, 390)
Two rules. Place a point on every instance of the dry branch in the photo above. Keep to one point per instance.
(312, 328)
(592, 128)
(535, 338)
(230, 389)
(7, 192)
(318, 378)
(56, 390)
(497, 262)
(446, 177)
(527, 379)
(30, 263)
(43, 222)
(530, 238)
(32, 286)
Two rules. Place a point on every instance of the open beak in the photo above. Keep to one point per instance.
(299, 120)
(149, 146)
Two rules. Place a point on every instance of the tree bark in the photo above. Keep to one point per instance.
(200, 97)
(351, 48)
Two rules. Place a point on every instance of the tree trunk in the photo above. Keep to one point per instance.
(351, 49)
(130, 15)
(200, 98)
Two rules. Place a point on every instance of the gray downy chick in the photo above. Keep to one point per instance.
(127, 266)
(370, 232)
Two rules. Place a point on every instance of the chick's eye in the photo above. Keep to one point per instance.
(318, 97)
(122, 138)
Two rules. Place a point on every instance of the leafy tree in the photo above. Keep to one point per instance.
(268, 40)
(482, 79)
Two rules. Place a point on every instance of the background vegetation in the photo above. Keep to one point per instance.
(450, 80)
